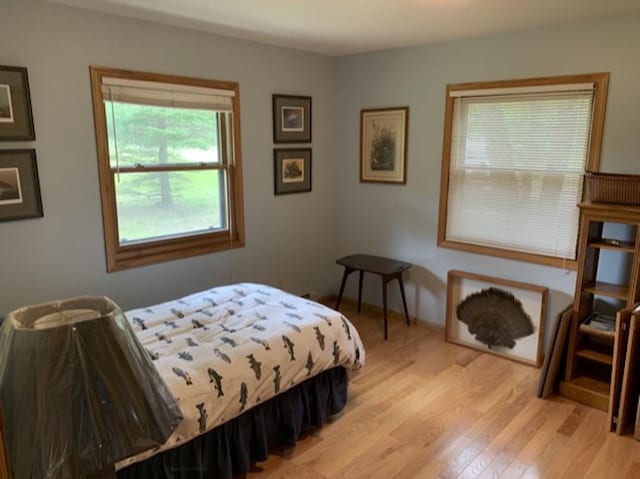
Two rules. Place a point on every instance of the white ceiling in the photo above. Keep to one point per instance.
(341, 27)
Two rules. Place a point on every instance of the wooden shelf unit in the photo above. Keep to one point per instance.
(626, 246)
(585, 390)
(595, 355)
(588, 330)
(595, 367)
(598, 288)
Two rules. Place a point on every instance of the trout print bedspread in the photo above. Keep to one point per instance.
(227, 349)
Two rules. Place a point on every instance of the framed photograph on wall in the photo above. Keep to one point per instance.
(16, 119)
(19, 185)
(383, 145)
(291, 170)
(497, 316)
(291, 119)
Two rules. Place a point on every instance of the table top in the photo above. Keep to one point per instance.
(373, 264)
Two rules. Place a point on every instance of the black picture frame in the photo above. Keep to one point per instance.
(291, 119)
(19, 185)
(16, 117)
(291, 170)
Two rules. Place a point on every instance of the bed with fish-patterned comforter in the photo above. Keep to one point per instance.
(228, 349)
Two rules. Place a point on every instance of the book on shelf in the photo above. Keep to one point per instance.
(601, 322)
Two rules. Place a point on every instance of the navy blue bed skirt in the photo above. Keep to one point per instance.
(232, 448)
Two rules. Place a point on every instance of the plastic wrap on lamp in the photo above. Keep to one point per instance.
(78, 392)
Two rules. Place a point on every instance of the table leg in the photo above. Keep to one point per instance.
(347, 272)
(404, 299)
(384, 305)
(360, 291)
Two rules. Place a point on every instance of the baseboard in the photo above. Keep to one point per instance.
(330, 301)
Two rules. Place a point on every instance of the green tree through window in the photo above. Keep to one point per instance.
(162, 203)
(170, 171)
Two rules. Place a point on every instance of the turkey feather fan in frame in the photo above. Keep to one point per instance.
(495, 315)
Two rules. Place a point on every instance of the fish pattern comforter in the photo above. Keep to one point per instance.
(227, 349)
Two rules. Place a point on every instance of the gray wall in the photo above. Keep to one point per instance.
(401, 221)
(292, 241)
(288, 238)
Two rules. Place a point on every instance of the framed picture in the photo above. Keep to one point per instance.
(383, 145)
(19, 185)
(16, 119)
(497, 316)
(291, 119)
(556, 354)
(291, 170)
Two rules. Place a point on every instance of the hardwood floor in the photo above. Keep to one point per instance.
(424, 408)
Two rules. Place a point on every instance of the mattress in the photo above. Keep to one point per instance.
(224, 350)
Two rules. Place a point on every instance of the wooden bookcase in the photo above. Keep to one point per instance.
(596, 359)
(629, 381)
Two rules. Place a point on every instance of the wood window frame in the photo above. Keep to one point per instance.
(600, 81)
(120, 257)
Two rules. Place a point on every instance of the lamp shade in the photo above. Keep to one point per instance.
(78, 392)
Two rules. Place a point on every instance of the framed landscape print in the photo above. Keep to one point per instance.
(291, 119)
(19, 185)
(16, 119)
(496, 316)
(383, 145)
(291, 170)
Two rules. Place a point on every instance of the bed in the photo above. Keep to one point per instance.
(251, 367)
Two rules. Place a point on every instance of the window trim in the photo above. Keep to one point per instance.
(600, 81)
(120, 257)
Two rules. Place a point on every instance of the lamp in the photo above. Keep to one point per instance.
(78, 392)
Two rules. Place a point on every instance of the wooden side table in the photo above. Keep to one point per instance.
(388, 269)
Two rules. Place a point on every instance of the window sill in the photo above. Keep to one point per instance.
(132, 256)
(508, 254)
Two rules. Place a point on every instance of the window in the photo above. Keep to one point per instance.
(169, 164)
(514, 156)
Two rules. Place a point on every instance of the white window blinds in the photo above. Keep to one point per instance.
(516, 166)
(166, 94)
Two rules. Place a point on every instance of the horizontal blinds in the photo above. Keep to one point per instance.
(523, 90)
(516, 169)
(166, 94)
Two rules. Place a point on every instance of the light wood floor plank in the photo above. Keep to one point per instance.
(467, 441)
(633, 471)
(541, 446)
(424, 408)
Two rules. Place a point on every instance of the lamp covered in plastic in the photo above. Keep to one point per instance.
(78, 391)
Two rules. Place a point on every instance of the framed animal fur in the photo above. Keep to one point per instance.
(498, 316)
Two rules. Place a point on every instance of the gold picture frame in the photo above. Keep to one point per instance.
(383, 145)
